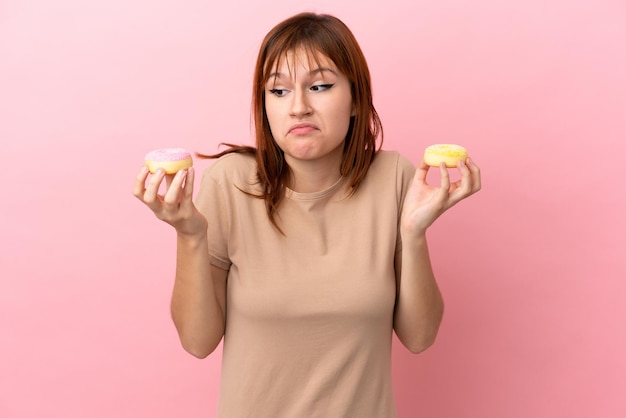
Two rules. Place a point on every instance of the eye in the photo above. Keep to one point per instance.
(321, 87)
(278, 92)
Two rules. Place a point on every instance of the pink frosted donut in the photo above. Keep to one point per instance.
(171, 160)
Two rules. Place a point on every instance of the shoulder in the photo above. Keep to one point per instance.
(228, 163)
(392, 162)
(235, 168)
(391, 172)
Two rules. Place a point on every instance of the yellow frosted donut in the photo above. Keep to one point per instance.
(449, 154)
(171, 160)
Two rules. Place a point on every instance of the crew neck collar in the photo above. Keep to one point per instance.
(291, 194)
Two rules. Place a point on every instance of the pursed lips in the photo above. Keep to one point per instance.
(302, 129)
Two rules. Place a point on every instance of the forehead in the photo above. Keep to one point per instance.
(292, 60)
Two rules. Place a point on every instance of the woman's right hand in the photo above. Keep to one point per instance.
(175, 206)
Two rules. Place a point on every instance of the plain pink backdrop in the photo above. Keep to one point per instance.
(532, 268)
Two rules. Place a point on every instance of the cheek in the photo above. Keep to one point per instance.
(342, 117)
(272, 119)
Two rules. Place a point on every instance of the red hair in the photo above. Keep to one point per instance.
(316, 34)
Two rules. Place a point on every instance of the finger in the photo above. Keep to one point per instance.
(186, 202)
(476, 179)
(445, 178)
(168, 180)
(421, 172)
(465, 185)
(188, 187)
(151, 194)
(139, 187)
(173, 192)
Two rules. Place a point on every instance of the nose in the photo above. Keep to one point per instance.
(300, 105)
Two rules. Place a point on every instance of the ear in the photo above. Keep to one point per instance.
(353, 110)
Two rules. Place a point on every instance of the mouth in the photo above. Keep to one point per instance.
(302, 129)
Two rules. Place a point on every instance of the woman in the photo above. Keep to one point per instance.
(306, 252)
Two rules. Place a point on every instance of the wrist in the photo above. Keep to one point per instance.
(192, 239)
(413, 238)
(192, 228)
(412, 228)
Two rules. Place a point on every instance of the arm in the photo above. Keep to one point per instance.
(419, 305)
(199, 295)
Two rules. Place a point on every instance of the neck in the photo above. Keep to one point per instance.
(316, 182)
(313, 176)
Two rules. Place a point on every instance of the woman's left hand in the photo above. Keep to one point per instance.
(425, 203)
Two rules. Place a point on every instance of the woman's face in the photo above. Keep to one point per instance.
(308, 103)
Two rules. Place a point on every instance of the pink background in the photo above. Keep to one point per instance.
(532, 268)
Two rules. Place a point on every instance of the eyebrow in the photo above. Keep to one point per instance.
(311, 73)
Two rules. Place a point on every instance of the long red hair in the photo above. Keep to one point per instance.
(316, 34)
